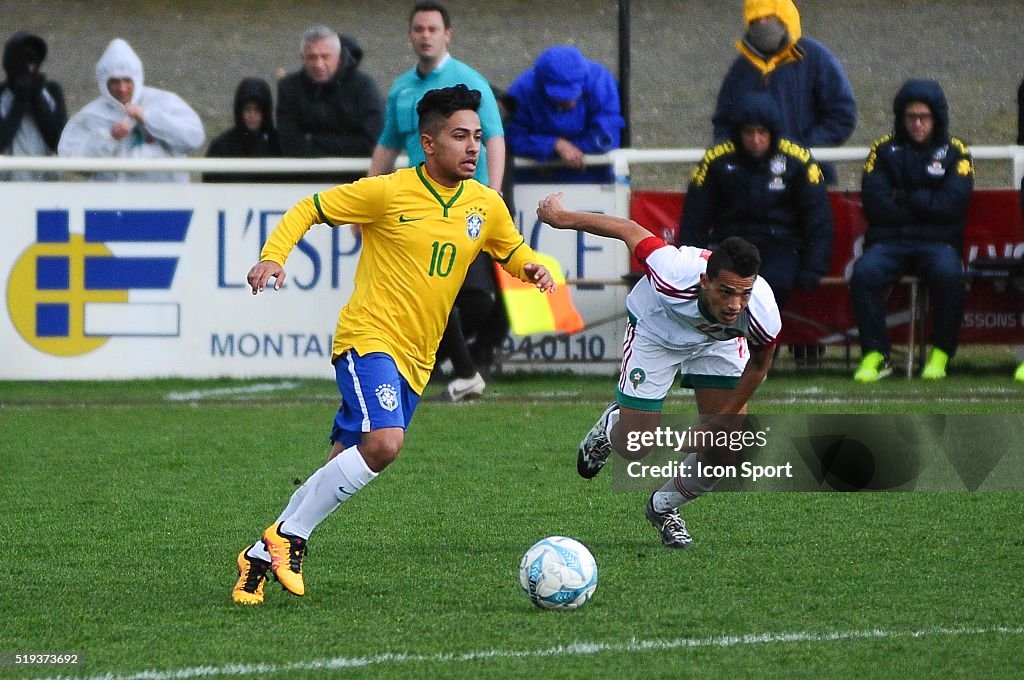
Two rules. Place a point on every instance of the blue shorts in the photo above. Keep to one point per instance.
(374, 395)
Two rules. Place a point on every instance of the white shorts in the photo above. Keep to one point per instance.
(649, 368)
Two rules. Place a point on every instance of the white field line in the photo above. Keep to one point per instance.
(920, 399)
(575, 649)
(196, 395)
(802, 395)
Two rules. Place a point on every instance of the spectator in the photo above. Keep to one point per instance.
(802, 75)
(130, 120)
(916, 186)
(253, 135)
(767, 189)
(430, 33)
(567, 106)
(32, 112)
(1020, 114)
(328, 107)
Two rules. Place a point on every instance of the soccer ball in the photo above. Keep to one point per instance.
(558, 573)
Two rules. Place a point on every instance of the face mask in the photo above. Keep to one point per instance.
(767, 37)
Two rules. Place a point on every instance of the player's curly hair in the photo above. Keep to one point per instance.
(436, 106)
(736, 255)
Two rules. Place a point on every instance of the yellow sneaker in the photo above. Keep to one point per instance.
(874, 366)
(935, 367)
(286, 553)
(252, 575)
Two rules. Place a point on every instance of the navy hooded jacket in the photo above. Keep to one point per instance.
(779, 196)
(804, 78)
(918, 192)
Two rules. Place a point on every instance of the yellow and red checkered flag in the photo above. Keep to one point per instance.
(531, 311)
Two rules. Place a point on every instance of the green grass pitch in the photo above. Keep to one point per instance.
(123, 511)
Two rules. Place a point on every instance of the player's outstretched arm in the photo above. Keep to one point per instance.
(551, 211)
(262, 272)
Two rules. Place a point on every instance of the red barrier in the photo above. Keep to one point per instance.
(994, 309)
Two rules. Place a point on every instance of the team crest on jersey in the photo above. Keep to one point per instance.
(777, 166)
(474, 223)
(637, 377)
(387, 397)
(936, 169)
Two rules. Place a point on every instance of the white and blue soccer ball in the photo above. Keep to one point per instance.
(558, 573)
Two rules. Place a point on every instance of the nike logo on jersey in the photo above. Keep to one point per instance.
(403, 219)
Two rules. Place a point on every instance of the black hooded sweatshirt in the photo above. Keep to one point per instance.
(239, 142)
(21, 50)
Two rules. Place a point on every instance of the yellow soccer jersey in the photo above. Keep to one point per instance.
(419, 239)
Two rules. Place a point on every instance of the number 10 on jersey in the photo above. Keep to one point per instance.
(442, 258)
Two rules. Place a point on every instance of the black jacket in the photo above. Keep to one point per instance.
(343, 117)
(20, 50)
(239, 142)
(780, 196)
(918, 192)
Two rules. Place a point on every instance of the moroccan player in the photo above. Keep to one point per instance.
(697, 313)
(422, 227)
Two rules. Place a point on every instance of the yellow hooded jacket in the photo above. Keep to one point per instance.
(786, 11)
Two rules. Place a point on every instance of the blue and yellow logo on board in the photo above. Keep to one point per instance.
(67, 291)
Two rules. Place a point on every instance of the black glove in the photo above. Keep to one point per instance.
(806, 280)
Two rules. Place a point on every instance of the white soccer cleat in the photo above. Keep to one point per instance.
(595, 447)
(670, 525)
(466, 388)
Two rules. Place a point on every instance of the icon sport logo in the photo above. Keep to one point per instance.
(68, 293)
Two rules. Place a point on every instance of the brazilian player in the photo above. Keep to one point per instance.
(422, 227)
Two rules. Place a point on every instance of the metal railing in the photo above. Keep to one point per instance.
(621, 160)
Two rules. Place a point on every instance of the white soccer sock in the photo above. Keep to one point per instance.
(258, 550)
(683, 489)
(667, 498)
(610, 422)
(299, 495)
(337, 481)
